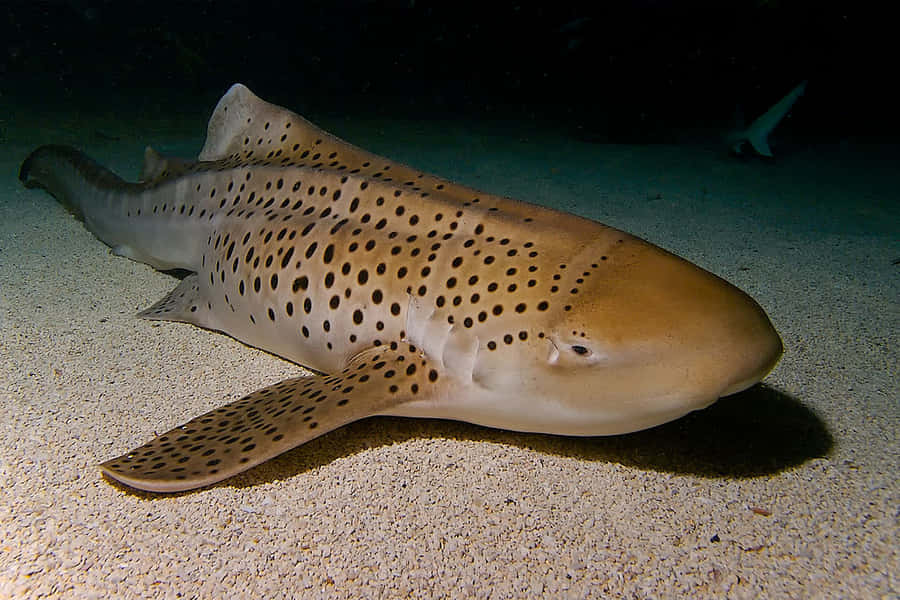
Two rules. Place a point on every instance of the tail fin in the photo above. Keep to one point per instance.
(758, 132)
(68, 175)
(130, 217)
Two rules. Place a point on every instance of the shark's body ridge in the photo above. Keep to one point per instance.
(412, 295)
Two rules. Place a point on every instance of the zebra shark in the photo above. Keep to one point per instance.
(408, 294)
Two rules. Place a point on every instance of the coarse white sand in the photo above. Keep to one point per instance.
(787, 490)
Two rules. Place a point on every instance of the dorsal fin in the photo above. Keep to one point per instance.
(158, 167)
(244, 129)
(154, 164)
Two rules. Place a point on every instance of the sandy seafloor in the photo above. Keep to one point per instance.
(785, 491)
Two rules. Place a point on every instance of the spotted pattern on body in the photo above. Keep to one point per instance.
(335, 257)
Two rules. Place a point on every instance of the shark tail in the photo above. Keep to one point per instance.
(760, 141)
(138, 221)
(757, 134)
(68, 175)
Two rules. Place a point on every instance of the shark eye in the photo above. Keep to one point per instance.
(580, 350)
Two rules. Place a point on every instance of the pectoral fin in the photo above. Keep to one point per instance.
(245, 433)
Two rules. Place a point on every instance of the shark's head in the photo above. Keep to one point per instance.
(650, 339)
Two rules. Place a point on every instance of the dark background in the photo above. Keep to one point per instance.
(642, 71)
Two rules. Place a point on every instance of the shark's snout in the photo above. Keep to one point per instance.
(719, 337)
(655, 339)
(663, 338)
(754, 350)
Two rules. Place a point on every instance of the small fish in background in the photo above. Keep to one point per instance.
(757, 134)
(573, 32)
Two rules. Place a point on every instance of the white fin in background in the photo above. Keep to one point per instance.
(757, 134)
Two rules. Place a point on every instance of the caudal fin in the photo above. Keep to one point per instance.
(129, 217)
(757, 134)
(68, 175)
